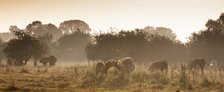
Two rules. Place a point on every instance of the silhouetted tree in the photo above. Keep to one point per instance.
(161, 31)
(138, 44)
(73, 25)
(38, 29)
(104, 47)
(125, 43)
(2, 46)
(14, 28)
(72, 46)
(32, 26)
(208, 43)
(162, 47)
(6, 36)
(47, 41)
(23, 48)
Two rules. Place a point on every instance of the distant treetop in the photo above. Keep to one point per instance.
(73, 25)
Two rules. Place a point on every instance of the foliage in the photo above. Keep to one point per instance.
(109, 46)
(23, 48)
(70, 26)
(161, 31)
(138, 44)
(208, 43)
(72, 46)
(38, 29)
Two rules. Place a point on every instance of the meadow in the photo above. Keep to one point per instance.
(82, 78)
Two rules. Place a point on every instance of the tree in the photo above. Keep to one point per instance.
(73, 25)
(161, 31)
(23, 48)
(162, 47)
(37, 29)
(221, 18)
(6, 36)
(208, 43)
(2, 46)
(47, 41)
(32, 26)
(117, 45)
(72, 46)
(140, 45)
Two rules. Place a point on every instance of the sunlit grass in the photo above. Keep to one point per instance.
(82, 78)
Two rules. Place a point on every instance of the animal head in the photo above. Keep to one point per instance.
(108, 65)
(41, 61)
(213, 63)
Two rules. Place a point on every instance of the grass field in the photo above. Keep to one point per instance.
(82, 78)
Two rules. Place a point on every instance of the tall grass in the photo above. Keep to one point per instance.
(83, 77)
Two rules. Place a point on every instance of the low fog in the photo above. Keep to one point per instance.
(72, 57)
(74, 42)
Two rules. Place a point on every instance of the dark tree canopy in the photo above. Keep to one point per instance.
(162, 47)
(144, 45)
(23, 48)
(109, 46)
(138, 44)
(208, 43)
(2, 46)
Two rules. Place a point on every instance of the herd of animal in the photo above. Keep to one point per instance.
(51, 60)
(127, 65)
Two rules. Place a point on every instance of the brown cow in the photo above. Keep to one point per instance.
(213, 65)
(197, 63)
(9, 62)
(51, 60)
(103, 68)
(125, 65)
(100, 68)
(160, 65)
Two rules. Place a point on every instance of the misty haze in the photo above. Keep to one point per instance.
(111, 46)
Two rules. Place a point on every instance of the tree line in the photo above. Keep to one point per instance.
(72, 41)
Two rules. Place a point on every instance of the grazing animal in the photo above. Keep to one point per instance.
(213, 65)
(107, 66)
(160, 65)
(125, 65)
(100, 68)
(35, 63)
(197, 63)
(9, 62)
(221, 68)
(51, 60)
(183, 68)
(103, 67)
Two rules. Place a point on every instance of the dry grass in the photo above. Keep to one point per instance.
(82, 78)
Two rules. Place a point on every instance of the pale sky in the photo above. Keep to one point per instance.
(182, 16)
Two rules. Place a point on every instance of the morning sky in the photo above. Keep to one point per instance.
(182, 16)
